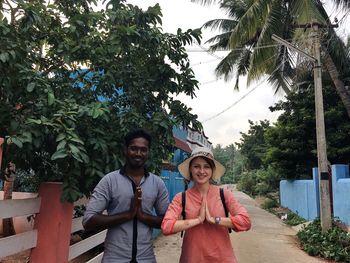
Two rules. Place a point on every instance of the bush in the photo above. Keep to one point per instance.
(247, 183)
(26, 182)
(333, 244)
(294, 219)
(269, 204)
(259, 182)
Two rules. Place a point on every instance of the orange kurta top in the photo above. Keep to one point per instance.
(207, 243)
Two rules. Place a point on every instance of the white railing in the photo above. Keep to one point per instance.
(18, 207)
(85, 245)
(20, 242)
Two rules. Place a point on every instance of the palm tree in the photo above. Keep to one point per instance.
(247, 34)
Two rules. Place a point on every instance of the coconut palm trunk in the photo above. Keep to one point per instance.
(339, 84)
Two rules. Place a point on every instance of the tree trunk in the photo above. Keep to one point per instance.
(7, 223)
(339, 85)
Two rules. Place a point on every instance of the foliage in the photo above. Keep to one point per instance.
(294, 219)
(259, 182)
(26, 182)
(252, 145)
(228, 157)
(247, 183)
(238, 167)
(269, 204)
(333, 244)
(291, 142)
(75, 80)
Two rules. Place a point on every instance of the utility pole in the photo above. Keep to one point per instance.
(324, 198)
(325, 203)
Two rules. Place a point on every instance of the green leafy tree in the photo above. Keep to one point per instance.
(253, 146)
(226, 156)
(291, 142)
(74, 80)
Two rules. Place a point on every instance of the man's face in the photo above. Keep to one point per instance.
(137, 152)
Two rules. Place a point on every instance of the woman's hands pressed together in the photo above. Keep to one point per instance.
(210, 219)
(202, 211)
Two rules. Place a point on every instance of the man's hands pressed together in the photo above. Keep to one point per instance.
(136, 204)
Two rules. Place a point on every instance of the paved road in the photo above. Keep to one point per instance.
(269, 240)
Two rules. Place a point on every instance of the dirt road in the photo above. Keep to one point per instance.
(269, 240)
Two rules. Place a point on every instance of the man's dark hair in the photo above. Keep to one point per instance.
(137, 133)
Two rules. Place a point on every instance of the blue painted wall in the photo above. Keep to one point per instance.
(174, 182)
(302, 196)
(341, 192)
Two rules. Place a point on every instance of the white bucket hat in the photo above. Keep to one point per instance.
(218, 170)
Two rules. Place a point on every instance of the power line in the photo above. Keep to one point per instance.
(240, 99)
(208, 82)
(235, 103)
(204, 49)
(204, 62)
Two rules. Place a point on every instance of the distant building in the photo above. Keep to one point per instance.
(186, 139)
(196, 138)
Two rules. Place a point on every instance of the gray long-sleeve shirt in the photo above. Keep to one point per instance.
(114, 193)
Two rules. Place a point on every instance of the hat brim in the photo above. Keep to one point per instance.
(184, 168)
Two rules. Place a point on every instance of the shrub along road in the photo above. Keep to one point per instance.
(269, 240)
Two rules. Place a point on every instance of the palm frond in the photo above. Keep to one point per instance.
(224, 25)
(234, 8)
(343, 4)
(221, 42)
(261, 61)
(306, 12)
(228, 64)
(281, 75)
(204, 2)
(250, 23)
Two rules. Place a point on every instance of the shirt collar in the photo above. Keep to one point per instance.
(123, 171)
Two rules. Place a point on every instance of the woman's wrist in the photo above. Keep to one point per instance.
(200, 220)
(211, 220)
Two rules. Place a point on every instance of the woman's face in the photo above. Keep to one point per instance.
(200, 170)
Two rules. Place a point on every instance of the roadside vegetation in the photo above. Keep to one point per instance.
(333, 244)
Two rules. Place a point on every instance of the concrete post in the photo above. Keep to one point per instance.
(54, 226)
(325, 207)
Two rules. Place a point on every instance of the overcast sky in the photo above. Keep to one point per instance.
(223, 112)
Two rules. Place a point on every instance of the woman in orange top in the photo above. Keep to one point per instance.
(206, 238)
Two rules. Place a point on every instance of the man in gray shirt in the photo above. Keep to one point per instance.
(129, 196)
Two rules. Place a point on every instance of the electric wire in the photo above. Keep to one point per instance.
(241, 98)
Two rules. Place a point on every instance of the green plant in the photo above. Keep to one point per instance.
(247, 183)
(26, 181)
(333, 244)
(269, 203)
(294, 219)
